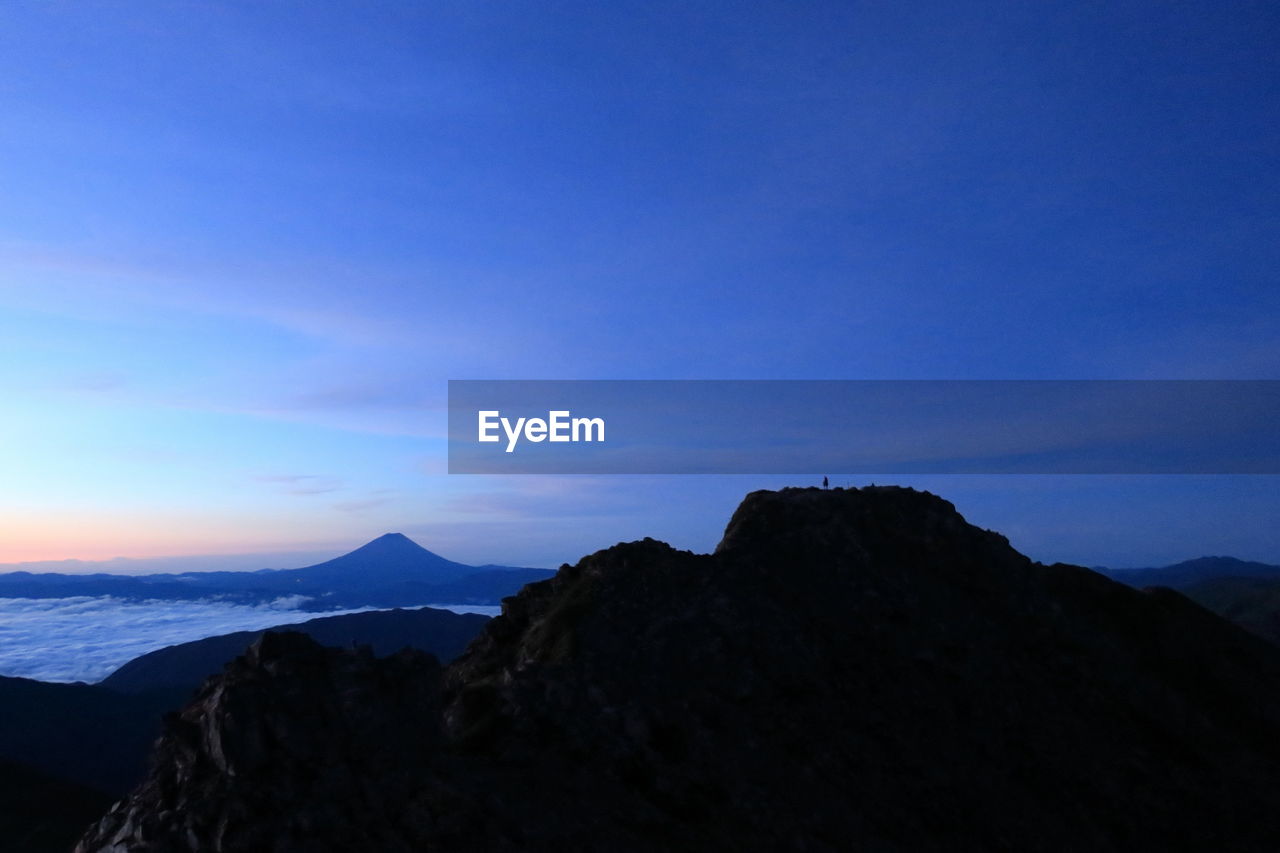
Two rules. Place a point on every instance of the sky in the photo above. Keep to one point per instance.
(243, 246)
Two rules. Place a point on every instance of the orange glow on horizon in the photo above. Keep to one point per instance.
(27, 537)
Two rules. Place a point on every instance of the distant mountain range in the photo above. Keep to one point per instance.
(1191, 572)
(390, 571)
(1247, 593)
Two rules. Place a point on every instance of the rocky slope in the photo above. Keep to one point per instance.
(1252, 603)
(849, 669)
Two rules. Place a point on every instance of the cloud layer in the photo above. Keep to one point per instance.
(86, 638)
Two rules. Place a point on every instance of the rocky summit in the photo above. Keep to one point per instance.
(851, 669)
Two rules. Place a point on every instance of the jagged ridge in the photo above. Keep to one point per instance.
(849, 668)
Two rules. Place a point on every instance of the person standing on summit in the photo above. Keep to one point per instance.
(824, 482)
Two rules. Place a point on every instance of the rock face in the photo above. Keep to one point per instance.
(849, 669)
(296, 744)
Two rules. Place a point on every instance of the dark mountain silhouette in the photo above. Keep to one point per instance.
(81, 733)
(1247, 593)
(390, 571)
(185, 666)
(40, 814)
(1252, 603)
(1189, 572)
(851, 669)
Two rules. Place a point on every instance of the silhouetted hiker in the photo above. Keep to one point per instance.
(824, 482)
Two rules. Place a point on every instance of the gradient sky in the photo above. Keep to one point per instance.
(244, 245)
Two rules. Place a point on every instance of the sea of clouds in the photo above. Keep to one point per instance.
(88, 637)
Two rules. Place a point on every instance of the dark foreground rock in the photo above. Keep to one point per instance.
(42, 814)
(849, 670)
(1252, 603)
(80, 733)
(294, 742)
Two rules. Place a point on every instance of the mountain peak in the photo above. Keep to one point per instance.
(391, 546)
(392, 557)
(873, 522)
(856, 668)
(392, 540)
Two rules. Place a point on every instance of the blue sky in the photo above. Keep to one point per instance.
(244, 245)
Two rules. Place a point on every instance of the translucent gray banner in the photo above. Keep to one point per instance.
(864, 427)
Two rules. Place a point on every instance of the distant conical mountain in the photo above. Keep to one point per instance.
(390, 571)
(391, 558)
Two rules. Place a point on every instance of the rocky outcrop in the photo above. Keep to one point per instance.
(849, 669)
(295, 745)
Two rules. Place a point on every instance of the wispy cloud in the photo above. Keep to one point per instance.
(303, 484)
(361, 505)
(178, 564)
(413, 393)
(531, 497)
(97, 382)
